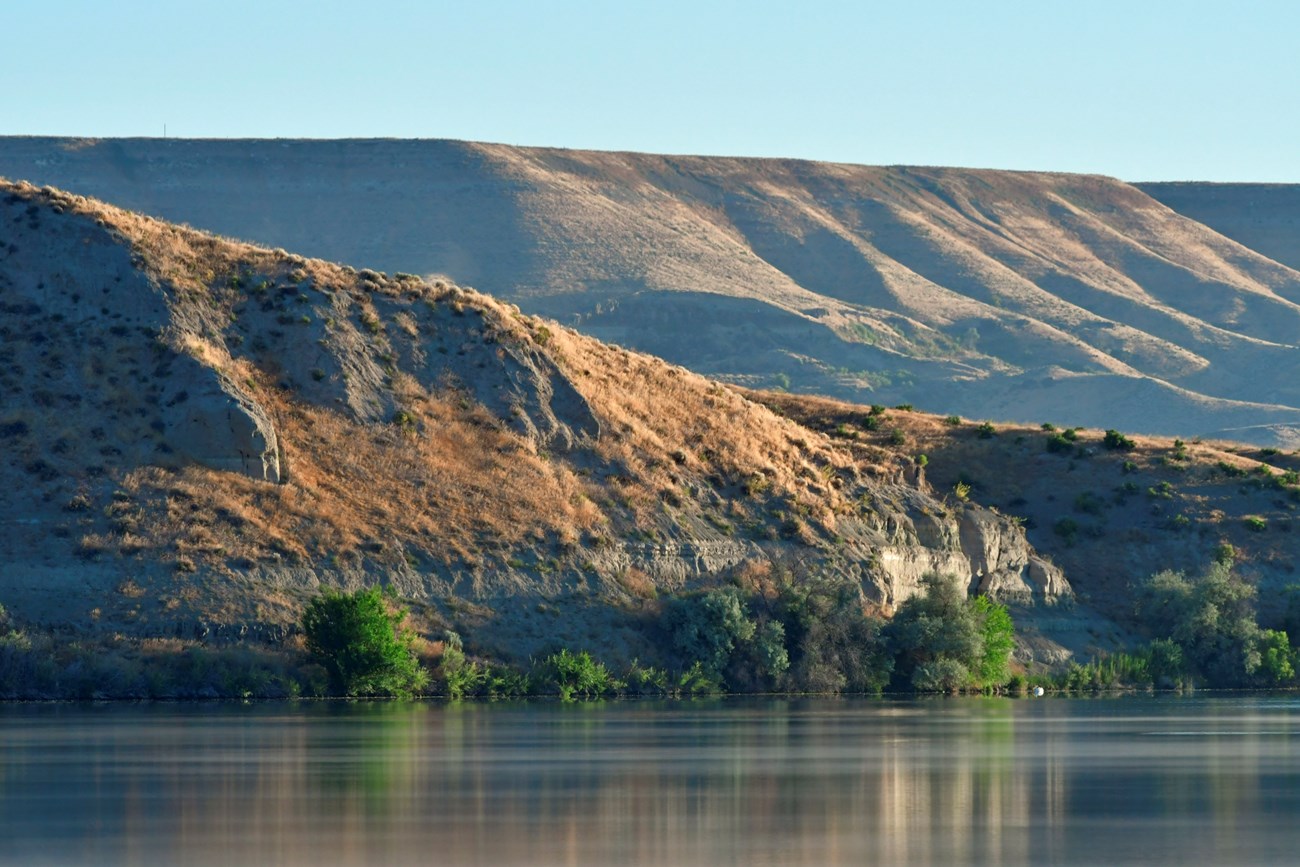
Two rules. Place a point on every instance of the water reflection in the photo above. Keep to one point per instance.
(980, 781)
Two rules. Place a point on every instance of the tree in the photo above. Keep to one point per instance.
(359, 639)
(1212, 620)
(708, 627)
(998, 635)
(944, 642)
(834, 645)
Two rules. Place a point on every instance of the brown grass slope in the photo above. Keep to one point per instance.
(200, 433)
(1006, 295)
(1109, 516)
(1263, 217)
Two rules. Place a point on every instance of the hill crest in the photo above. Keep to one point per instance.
(1004, 295)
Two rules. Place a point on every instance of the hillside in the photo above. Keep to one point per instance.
(1109, 514)
(1263, 217)
(200, 434)
(1003, 295)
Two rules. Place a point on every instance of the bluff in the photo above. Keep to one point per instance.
(200, 434)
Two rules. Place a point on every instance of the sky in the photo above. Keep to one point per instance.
(1143, 91)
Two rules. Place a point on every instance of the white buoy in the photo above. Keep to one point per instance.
(1038, 690)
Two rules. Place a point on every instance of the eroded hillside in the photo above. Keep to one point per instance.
(1001, 295)
(1109, 508)
(201, 433)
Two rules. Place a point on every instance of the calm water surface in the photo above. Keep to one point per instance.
(954, 781)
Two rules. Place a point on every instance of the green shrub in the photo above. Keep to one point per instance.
(571, 675)
(986, 431)
(944, 642)
(1067, 529)
(461, 676)
(646, 680)
(1059, 444)
(1048, 426)
(1255, 523)
(699, 680)
(359, 639)
(952, 420)
(1161, 491)
(1089, 503)
(1229, 470)
(1116, 441)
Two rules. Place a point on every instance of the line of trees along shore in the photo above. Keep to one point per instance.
(1203, 630)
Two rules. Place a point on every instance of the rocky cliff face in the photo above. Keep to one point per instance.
(203, 433)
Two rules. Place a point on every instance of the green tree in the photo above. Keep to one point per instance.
(360, 640)
(999, 640)
(707, 628)
(944, 642)
(1212, 620)
(934, 638)
(834, 645)
(1276, 659)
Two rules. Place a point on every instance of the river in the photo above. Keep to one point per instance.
(1182, 780)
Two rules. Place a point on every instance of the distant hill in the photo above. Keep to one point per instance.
(1003, 295)
(1263, 217)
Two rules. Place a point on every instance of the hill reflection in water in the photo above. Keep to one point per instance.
(816, 782)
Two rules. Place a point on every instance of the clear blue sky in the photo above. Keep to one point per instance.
(1139, 90)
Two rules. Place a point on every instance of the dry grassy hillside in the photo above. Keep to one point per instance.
(1263, 217)
(1005, 295)
(199, 433)
(1110, 511)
